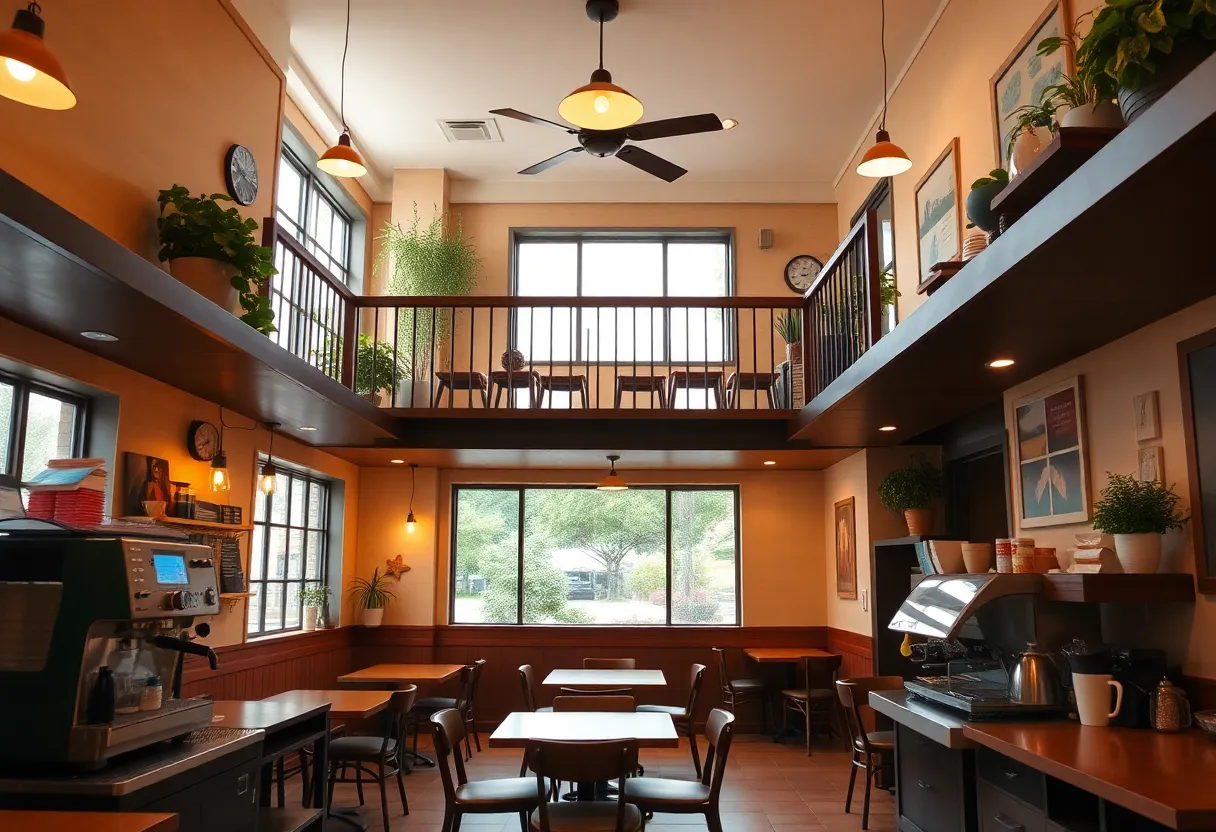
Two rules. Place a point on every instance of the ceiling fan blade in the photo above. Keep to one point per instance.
(682, 126)
(551, 161)
(647, 161)
(516, 114)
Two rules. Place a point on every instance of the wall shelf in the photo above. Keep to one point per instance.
(232, 598)
(1094, 588)
(193, 526)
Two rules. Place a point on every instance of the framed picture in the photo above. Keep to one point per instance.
(1150, 467)
(1197, 374)
(1049, 456)
(1148, 425)
(939, 212)
(846, 549)
(144, 478)
(1023, 76)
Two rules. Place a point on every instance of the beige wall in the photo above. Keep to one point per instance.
(1143, 361)
(383, 503)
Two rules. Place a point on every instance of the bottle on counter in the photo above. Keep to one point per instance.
(101, 699)
(151, 698)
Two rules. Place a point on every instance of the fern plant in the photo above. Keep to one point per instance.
(372, 593)
(789, 326)
(1129, 506)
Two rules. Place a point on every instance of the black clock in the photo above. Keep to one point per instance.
(203, 440)
(241, 174)
(801, 272)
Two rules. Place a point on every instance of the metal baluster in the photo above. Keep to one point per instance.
(532, 341)
(552, 367)
(755, 366)
(572, 357)
(490, 358)
(634, 338)
(396, 385)
(375, 340)
(599, 401)
(472, 349)
(615, 338)
(687, 361)
(434, 376)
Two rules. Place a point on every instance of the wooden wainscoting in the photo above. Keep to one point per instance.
(856, 650)
(261, 668)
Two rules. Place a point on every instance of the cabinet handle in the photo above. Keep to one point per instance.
(924, 785)
(1007, 823)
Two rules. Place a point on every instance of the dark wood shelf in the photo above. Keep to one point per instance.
(1071, 148)
(1119, 589)
(287, 819)
(1114, 248)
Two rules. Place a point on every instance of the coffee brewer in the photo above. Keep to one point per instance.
(86, 621)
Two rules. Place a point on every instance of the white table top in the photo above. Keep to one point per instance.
(582, 678)
(650, 730)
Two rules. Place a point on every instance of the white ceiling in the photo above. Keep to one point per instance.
(803, 77)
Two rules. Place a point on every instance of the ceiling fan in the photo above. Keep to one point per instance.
(605, 117)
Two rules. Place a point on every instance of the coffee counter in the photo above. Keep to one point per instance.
(1045, 775)
(89, 821)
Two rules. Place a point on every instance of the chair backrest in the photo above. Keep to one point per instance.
(821, 671)
(595, 692)
(609, 664)
(529, 687)
(465, 695)
(696, 677)
(448, 729)
(478, 666)
(719, 730)
(582, 762)
(597, 703)
(396, 717)
(720, 660)
(854, 694)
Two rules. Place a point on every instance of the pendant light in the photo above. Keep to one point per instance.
(601, 104)
(268, 480)
(885, 158)
(411, 522)
(613, 481)
(31, 74)
(219, 464)
(342, 160)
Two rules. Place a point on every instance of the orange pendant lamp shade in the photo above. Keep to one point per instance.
(600, 105)
(29, 72)
(612, 482)
(884, 158)
(342, 159)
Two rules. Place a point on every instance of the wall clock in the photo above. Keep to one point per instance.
(801, 272)
(241, 174)
(203, 440)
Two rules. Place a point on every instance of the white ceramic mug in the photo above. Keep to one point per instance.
(1092, 691)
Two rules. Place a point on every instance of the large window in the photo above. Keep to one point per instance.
(37, 424)
(305, 208)
(574, 555)
(288, 549)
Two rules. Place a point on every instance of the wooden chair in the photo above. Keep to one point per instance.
(682, 717)
(424, 708)
(584, 762)
(501, 380)
(818, 695)
(710, 380)
(386, 753)
(641, 384)
(854, 695)
(594, 704)
(458, 380)
(528, 684)
(610, 664)
(460, 797)
(571, 384)
(756, 383)
(736, 692)
(687, 797)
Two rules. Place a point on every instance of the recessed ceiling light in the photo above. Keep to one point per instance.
(729, 123)
(308, 427)
(887, 428)
(1000, 363)
(96, 335)
(397, 461)
(770, 462)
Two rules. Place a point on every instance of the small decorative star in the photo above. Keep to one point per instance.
(396, 567)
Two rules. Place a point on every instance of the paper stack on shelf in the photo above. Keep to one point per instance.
(71, 491)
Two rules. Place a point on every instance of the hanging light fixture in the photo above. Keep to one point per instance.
(601, 104)
(613, 481)
(31, 73)
(219, 464)
(411, 522)
(343, 160)
(268, 480)
(885, 158)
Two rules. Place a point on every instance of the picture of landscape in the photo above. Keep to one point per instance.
(937, 212)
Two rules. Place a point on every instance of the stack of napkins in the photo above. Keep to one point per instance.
(71, 491)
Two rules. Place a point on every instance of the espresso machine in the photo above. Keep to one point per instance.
(87, 622)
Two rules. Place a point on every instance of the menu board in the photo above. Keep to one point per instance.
(232, 577)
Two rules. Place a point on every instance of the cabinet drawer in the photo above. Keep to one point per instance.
(1010, 776)
(931, 786)
(1001, 813)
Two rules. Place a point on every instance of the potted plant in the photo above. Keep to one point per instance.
(378, 366)
(314, 598)
(1137, 514)
(1034, 130)
(372, 596)
(888, 299)
(979, 200)
(1139, 50)
(1086, 101)
(213, 251)
(426, 261)
(789, 327)
(912, 490)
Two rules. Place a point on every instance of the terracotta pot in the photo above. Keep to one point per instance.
(977, 557)
(373, 617)
(1104, 114)
(1028, 145)
(1138, 553)
(1171, 69)
(919, 520)
(310, 619)
(210, 278)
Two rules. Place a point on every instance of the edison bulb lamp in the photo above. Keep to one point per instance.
(411, 522)
(29, 72)
(219, 472)
(600, 105)
(268, 480)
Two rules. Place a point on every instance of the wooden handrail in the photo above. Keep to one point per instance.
(841, 251)
(518, 302)
(273, 232)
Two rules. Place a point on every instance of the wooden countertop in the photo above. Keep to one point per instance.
(89, 821)
(1165, 777)
(266, 715)
(938, 724)
(402, 673)
(343, 704)
(765, 655)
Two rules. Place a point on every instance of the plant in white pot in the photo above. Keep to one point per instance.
(213, 251)
(378, 367)
(372, 596)
(314, 597)
(1138, 514)
(1087, 101)
(911, 491)
(1034, 130)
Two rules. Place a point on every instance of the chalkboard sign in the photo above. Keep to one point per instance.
(232, 577)
(1197, 373)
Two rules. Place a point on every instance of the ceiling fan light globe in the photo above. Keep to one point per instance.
(601, 105)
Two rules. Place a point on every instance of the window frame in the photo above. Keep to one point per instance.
(286, 473)
(316, 188)
(22, 387)
(522, 488)
(665, 236)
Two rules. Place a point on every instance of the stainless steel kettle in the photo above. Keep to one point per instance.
(1034, 679)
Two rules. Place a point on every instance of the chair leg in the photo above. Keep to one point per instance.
(696, 752)
(456, 822)
(333, 780)
(523, 822)
(281, 794)
(865, 804)
(405, 801)
(359, 782)
(713, 820)
(848, 798)
(809, 711)
(383, 796)
(304, 779)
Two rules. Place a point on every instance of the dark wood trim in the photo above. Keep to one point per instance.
(951, 148)
(568, 302)
(1205, 582)
(274, 234)
(841, 252)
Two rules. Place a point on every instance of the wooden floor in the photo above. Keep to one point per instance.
(768, 788)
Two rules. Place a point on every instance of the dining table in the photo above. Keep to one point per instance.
(397, 676)
(790, 656)
(590, 678)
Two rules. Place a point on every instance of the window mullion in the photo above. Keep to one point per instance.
(667, 524)
(519, 584)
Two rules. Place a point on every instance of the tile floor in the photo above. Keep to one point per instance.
(768, 788)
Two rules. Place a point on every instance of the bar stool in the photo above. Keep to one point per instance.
(641, 384)
(755, 382)
(695, 380)
(515, 380)
(563, 384)
(464, 380)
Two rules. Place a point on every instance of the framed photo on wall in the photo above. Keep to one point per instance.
(1049, 456)
(844, 521)
(1197, 375)
(939, 211)
(1024, 75)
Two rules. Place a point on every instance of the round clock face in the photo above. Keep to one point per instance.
(203, 441)
(801, 272)
(241, 174)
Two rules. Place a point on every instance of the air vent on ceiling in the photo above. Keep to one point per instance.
(470, 130)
